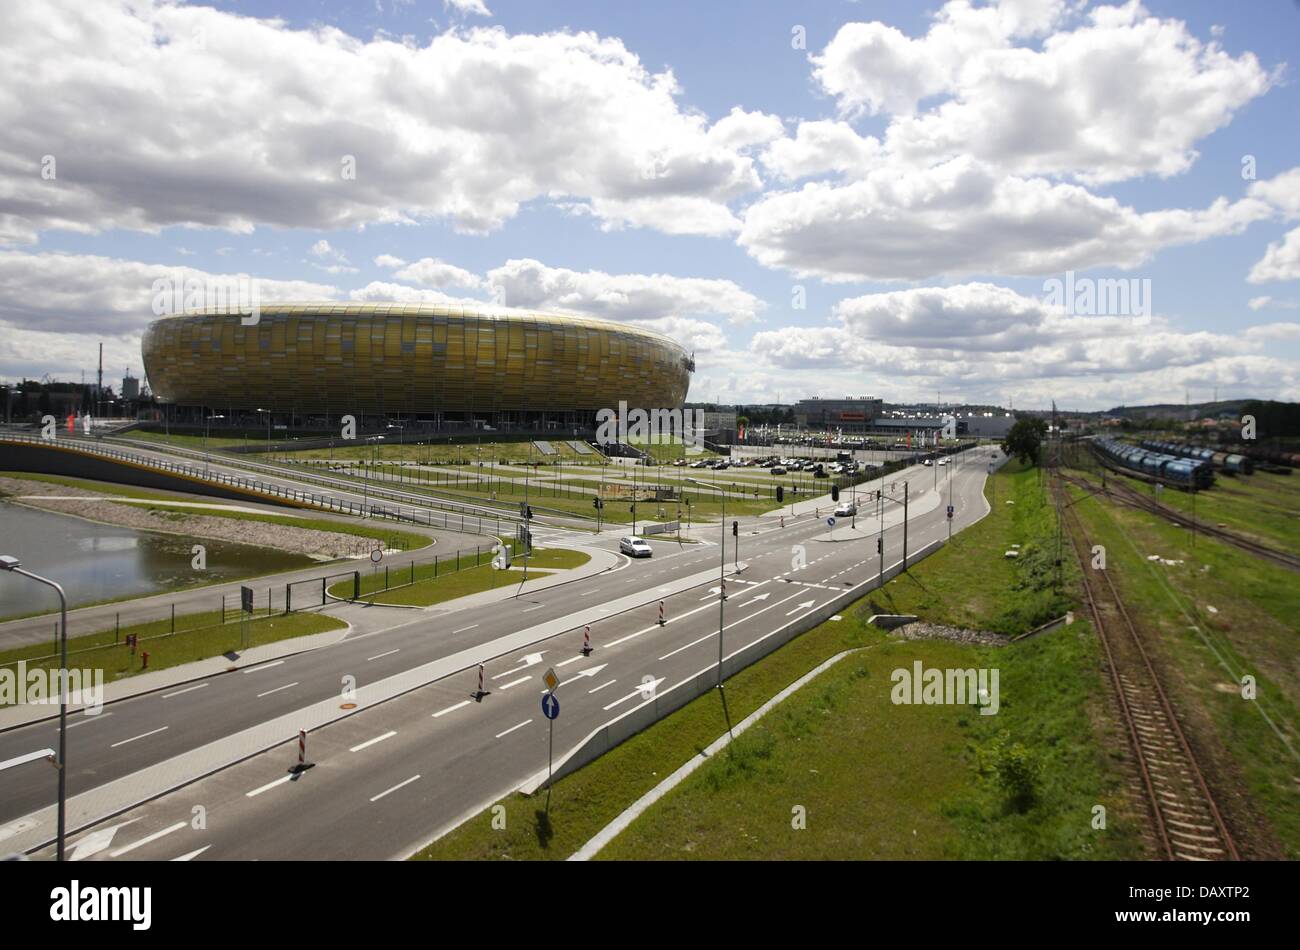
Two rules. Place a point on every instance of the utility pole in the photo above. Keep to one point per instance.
(722, 586)
(904, 525)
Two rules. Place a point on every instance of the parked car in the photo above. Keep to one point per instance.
(778, 470)
(635, 547)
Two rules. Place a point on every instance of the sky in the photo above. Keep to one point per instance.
(1012, 202)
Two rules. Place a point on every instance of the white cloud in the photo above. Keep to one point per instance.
(986, 340)
(964, 218)
(432, 272)
(1259, 303)
(260, 124)
(1122, 95)
(468, 7)
(1281, 261)
(820, 147)
(388, 260)
(531, 284)
(70, 292)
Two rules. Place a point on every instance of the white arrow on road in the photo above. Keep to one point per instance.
(757, 597)
(592, 671)
(804, 606)
(531, 659)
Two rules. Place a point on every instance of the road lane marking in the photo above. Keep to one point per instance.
(188, 689)
(276, 690)
(463, 629)
(148, 839)
(380, 656)
(639, 691)
(141, 736)
(601, 686)
(688, 646)
(268, 786)
(443, 712)
(513, 728)
(413, 778)
(264, 666)
(86, 717)
(573, 660)
(505, 686)
(192, 855)
(374, 741)
(527, 609)
(586, 592)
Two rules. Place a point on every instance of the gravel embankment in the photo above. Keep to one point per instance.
(934, 631)
(87, 504)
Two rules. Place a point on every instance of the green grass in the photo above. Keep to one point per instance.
(869, 773)
(450, 583)
(198, 636)
(1252, 628)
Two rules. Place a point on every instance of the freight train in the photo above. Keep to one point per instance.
(1153, 466)
(1227, 461)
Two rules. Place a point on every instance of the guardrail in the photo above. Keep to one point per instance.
(473, 523)
(304, 474)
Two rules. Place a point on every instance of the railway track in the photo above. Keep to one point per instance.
(1188, 824)
(1127, 495)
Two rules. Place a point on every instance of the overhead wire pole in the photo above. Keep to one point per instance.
(722, 587)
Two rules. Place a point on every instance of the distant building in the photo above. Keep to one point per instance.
(130, 387)
(850, 414)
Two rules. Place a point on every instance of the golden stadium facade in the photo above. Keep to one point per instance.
(417, 360)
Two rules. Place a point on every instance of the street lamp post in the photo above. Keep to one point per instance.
(13, 565)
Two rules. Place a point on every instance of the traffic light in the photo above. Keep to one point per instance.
(597, 503)
(528, 512)
(835, 493)
(880, 545)
(780, 493)
(735, 529)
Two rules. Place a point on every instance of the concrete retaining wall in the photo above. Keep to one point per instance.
(52, 460)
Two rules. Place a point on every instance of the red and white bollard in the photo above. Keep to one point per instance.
(302, 749)
(480, 679)
(586, 640)
(722, 588)
(661, 613)
(783, 521)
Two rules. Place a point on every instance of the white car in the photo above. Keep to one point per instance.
(944, 461)
(635, 547)
(846, 510)
(927, 462)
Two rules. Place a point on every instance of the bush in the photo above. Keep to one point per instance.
(1015, 769)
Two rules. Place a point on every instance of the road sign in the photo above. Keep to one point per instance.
(550, 705)
(246, 599)
(550, 679)
(950, 511)
(376, 555)
(831, 521)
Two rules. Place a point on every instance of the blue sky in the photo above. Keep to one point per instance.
(915, 172)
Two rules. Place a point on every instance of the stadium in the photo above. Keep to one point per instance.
(444, 368)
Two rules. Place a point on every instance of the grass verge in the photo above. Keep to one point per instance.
(876, 780)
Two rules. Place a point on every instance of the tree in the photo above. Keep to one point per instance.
(1025, 440)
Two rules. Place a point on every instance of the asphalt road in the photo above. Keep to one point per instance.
(389, 777)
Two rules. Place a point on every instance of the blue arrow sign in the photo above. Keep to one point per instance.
(950, 511)
(550, 706)
(831, 522)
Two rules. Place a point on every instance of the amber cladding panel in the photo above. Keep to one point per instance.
(394, 358)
